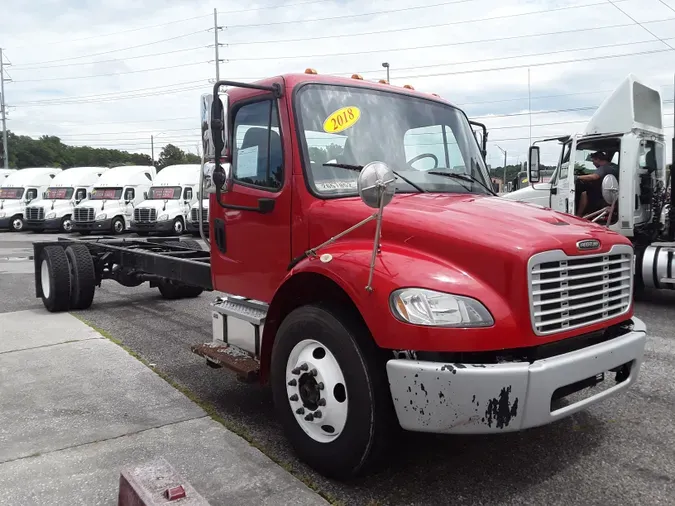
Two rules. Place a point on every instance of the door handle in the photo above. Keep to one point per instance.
(219, 233)
(554, 191)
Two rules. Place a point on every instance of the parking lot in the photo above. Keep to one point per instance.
(622, 451)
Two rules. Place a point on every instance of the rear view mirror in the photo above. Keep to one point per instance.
(533, 164)
(214, 125)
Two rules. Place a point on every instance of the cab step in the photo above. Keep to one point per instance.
(232, 357)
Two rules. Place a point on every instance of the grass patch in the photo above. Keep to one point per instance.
(211, 411)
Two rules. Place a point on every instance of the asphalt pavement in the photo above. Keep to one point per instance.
(622, 451)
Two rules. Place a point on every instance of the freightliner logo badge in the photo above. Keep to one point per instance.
(588, 244)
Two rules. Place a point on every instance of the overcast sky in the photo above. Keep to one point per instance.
(107, 73)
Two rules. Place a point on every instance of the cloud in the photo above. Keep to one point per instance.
(475, 53)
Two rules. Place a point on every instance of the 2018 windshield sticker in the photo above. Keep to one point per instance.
(341, 119)
(336, 185)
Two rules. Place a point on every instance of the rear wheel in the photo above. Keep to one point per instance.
(171, 290)
(82, 276)
(330, 392)
(55, 279)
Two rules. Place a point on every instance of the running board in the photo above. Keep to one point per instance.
(231, 357)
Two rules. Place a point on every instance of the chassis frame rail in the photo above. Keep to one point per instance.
(153, 258)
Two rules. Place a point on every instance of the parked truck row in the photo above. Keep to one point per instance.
(101, 199)
(385, 284)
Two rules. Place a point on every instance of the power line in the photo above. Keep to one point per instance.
(121, 49)
(125, 132)
(362, 14)
(504, 16)
(613, 2)
(99, 36)
(668, 6)
(432, 46)
(109, 75)
(164, 53)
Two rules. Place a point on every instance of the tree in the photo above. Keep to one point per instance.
(172, 155)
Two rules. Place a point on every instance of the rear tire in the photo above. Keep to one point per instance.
(192, 244)
(360, 408)
(82, 276)
(55, 279)
(173, 291)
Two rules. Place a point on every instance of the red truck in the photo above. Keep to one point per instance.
(352, 224)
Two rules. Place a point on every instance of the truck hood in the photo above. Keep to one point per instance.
(158, 205)
(8, 206)
(47, 205)
(528, 193)
(97, 204)
(487, 238)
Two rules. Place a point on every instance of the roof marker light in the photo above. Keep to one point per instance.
(356, 76)
(310, 71)
(407, 86)
(383, 81)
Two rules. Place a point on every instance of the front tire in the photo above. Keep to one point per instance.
(67, 225)
(319, 347)
(117, 226)
(16, 224)
(178, 228)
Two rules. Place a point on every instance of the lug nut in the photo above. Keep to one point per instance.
(322, 402)
(321, 385)
(309, 417)
(317, 414)
(313, 372)
(296, 371)
(300, 411)
(292, 383)
(294, 397)
(304, 367)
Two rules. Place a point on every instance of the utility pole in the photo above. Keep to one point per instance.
(152, 148)
(529, 103)
(3, 111)
(217, 44)
(500, 149)
(671, 213)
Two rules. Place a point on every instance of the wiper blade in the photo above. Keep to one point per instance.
(464, 177)
(349, 166)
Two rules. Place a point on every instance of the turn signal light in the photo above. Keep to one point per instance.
(310, 71)
(356, 76)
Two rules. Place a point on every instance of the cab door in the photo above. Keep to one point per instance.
(562, 183)
(251, 250)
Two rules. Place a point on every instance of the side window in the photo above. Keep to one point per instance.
(81, 194)
(31, 194)
(187, 194)
(129, 194)
(258, 156)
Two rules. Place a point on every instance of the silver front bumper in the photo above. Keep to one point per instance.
(507, 397)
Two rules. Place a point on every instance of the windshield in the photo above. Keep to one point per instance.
(106, 194)
(59, 193)
(164, 193)
(413, 136)
(11, 193)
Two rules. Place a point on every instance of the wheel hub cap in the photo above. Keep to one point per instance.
(316, 391)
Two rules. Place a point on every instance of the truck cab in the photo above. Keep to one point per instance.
(354, 225)
(628, 129)
(20, 188)
(192, 225)
(110, 205)
(53, 212)
(167, 207)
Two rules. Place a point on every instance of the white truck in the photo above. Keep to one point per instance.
(626, 134)
(192, 225)
(54, 210)
(18, 190)
(167, 207)
(6, 172)
(110, 206)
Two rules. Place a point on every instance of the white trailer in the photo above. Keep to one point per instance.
(167, 207)
(19, 189)
(627, 131)
(110, 206)
(55, 209)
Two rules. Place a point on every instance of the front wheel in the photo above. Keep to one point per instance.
(67, 224)
(17, 224)
(330, 393)
(117, 225)
(178, 227)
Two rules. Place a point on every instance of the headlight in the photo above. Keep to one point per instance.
(101, 217)
(428, 307)
(163, 217)
(50, 215)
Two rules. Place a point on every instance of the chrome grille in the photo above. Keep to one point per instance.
(194, 213)
(84, 214)
(145, 215)
(568, 292)
(35, 213)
